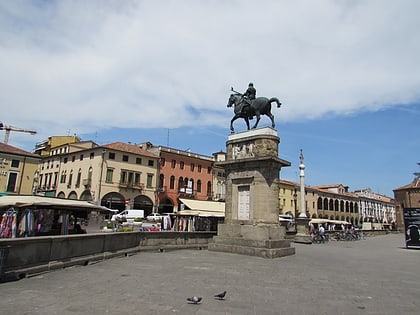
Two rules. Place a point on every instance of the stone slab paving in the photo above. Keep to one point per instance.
(372, 276)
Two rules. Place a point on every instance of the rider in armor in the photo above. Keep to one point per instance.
(248, 96)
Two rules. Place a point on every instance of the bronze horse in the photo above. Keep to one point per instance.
(259, 106)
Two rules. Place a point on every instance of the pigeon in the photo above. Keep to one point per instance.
(220, 296)
(194, 299)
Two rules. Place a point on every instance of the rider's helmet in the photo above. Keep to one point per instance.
(251, 84)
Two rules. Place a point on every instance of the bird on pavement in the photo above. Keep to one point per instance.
(194, 299)
(220, 296)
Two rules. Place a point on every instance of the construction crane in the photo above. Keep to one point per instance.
(11, 128)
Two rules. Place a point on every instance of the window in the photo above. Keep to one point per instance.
(173, 163)
(137, 178)
(123, 177)
(63, 177)
(79, 178)
(199, 168)
(111, 156)
(55, 178)
(161, 180)
(92, 155)
(162, 161)
(73, 158)
(199, 186)
(172, 183)
(192, 167)
(130, 177)
(138, 160)
(65, 160)
(15, 163)
(209, 170)
(11, 182)
(209, 188)
(181, 165)
(109, 175)
(151, 163)
(70, 178)
(125, 158)
(149, 180)
(81, 157)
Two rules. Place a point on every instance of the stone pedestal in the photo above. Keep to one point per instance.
(302, 231)
(252, 170)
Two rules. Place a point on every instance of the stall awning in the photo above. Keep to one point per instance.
(320, 221)
(21, 201)
(203, 208)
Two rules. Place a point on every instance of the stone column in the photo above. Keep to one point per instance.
(302, 222)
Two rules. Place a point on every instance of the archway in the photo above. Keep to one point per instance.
(61, 195)
(72, 195)
(166, 205)
(86, 196)
(145, 203)
(113, 200)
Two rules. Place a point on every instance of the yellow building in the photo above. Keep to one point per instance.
(116, 175)
(18, 170)
(45, 147)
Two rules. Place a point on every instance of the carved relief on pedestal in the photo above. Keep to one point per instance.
(242, 151)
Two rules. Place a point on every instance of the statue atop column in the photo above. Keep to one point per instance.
(247, 105)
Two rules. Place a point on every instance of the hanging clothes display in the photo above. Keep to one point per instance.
(166, 223)
(8, 224)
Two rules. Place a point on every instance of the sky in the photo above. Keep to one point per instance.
(347, 74)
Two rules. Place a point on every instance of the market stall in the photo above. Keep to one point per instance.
(199, 215)
(23, 216)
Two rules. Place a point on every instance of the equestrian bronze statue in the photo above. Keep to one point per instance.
(247, 108)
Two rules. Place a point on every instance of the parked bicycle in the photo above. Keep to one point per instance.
(318, 239)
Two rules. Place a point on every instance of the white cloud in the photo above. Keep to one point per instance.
(86, 65)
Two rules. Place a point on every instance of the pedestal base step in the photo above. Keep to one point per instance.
(263, 252)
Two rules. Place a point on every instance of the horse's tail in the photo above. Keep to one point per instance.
(275, 99)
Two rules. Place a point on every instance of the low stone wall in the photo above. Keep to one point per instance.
(33, 255)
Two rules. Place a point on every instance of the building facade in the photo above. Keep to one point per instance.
(116, 175)
(182, 174)
(335, 202)
(219, 177)
(18, 170)
(44, 148)
(407, 196)
(376, 209)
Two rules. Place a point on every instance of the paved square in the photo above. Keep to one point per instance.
(372, 276)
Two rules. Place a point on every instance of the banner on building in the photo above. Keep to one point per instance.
(412, 227)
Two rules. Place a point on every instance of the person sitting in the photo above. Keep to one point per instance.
(249, 95)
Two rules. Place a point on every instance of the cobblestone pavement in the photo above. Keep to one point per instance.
(372, 276)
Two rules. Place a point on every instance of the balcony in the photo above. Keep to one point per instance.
(131, 185)
(186, 193)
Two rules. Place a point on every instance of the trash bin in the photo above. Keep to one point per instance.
(4, 252)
